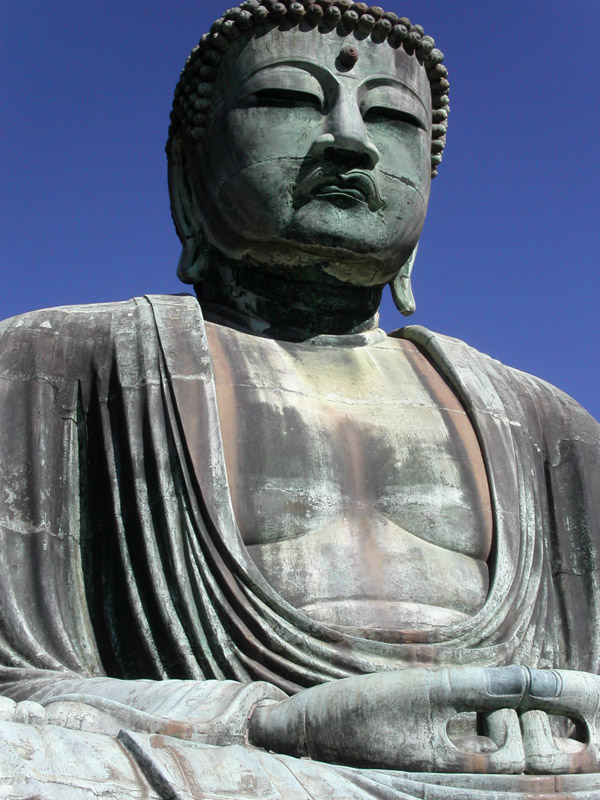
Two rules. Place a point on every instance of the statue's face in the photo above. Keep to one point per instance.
(310, 166)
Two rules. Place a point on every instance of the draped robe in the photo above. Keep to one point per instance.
(125, 585)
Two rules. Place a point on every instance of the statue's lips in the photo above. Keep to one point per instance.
(354, 186)
(335, 190)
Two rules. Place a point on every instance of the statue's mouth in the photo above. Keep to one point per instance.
(342, 189)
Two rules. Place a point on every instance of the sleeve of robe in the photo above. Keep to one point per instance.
(542, 454)
(58, 377)
(567, 439)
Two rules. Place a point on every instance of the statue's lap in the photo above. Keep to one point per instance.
(59, 764)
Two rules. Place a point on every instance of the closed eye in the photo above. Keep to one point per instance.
(385, 114)
(285, 98)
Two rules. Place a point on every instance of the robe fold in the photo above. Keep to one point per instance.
(120, 556)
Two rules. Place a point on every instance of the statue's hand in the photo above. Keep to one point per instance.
(24, 712)
(76, 716)
(399, 720)
(573, 696)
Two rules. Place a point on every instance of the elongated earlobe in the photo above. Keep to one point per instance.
(401, 288)
(193, 262)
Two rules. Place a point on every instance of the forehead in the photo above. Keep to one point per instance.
(270, 48)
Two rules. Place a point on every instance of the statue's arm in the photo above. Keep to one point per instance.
(48, 654)
(568, 441)
(211, 711)
(403, 720)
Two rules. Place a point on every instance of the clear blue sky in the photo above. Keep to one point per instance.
(509, 255)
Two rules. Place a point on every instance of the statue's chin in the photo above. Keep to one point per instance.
(308, 262)
(319, 265)
(355, 231)
(319, 243)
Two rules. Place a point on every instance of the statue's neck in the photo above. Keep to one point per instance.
(276, 305)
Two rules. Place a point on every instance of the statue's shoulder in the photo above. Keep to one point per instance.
(541, 400)
(77, 333)
(63, 318)
(94, 316)
(556, 410)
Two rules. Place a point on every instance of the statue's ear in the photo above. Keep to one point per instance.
(193, 261)
(402, 293)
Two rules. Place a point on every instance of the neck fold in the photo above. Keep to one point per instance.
(276, 304)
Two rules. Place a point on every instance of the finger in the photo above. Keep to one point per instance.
(30, 713)
(7, 709)
(544, 757)
(563, 692)
(480, 689)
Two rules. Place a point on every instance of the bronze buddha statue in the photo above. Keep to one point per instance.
(251, 545)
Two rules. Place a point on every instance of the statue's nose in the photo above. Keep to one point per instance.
(346, 134)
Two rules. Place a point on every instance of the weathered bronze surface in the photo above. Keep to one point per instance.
(329, 507)
(250, 545)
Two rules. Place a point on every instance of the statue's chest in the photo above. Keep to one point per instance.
(352, 456)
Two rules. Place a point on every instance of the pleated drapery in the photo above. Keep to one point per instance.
(116, 502)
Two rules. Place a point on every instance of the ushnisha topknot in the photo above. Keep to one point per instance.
(193, 93)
